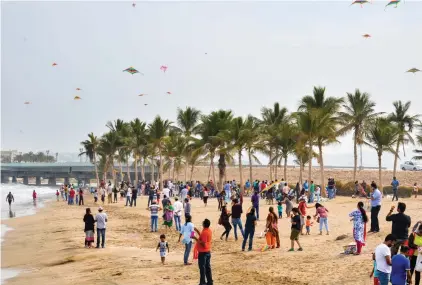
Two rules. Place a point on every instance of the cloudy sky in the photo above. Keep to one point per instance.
(238, 56)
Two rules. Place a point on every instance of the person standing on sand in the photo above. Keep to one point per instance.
(66, 190)
(71, 196)
(225, 222)
(236, 218)
(415, 190)
(134, 196)
(295, 230)
(272, 229)
(205, 195)
(204, 253)
(395, 184)
(312, 192)
(376, 197)
(187, 231)
(322, 213)
(255, 203)
(109, 193)
(383, 259)
(10, 199)
(89, 228)
(250, 225)
(128, 195)
(81, 197)
(302, 211)
(178, 208)
(62, 192)
(360, 219)
(154, 208)
(101, 219)
(187, 207)
(400, 226)
(115, 191)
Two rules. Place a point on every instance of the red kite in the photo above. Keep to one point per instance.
(393, 2)
(78, 89)
(163, 68)
(168, 92)
(54, 64)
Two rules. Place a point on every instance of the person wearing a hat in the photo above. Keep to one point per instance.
(101, 219)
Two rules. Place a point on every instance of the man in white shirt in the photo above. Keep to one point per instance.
(383, 259)
(178, 208)
(101, 219)
(376, 198)
(109, 192)
(184, 194)
(166, 192)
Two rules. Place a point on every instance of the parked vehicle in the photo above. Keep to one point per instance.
(409, 165)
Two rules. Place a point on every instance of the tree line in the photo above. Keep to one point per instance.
(30, 157)
(221, 136)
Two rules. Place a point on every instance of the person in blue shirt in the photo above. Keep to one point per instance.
(376, 197)
(306, 185)
(400, 271)
(395, 184)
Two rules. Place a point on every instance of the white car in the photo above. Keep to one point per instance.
(409, 165)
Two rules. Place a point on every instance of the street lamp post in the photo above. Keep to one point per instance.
(47, 152)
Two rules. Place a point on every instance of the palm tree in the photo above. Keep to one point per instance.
(359, 112)
(187, 121)
(405, 123)
(251, 136)
(122, 130)
(321, 111)
(271, 119)
(174, 151)
(419, 151)
(286, 139)
(109, 144)
(137, 143)
(382, 136)
(158, 133)
(90, 146)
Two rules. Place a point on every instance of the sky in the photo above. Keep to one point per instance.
(220, 55)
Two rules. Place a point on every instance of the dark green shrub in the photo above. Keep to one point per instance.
(345, 189)
(403, 191)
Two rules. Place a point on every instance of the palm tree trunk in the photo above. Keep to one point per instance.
(213, 171)
(152, 171)
(250, 166)
(96, 170)
(355, 153)
(310, 162)
(172, 176)
(186, 170)
(300, 173)
(160, 171)
(379, 173)
(143, 169)
(113, 172)
(321, 163)
(271, 164)
(222, 169)
(240, 170)
(209, 171)
(121, 170)
(276, 165)
(128, 171)
(396, 155)
(191, 172)
(136, 169)
(285, 168)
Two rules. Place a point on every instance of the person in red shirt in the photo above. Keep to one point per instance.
(71, 196)
(302, 212)
(34, 195)
(204, 253)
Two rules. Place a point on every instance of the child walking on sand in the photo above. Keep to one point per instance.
(164, 248)
(374, 271)
(280, 210)
(296, 227)
(308, 225)
(95, 196)
(57, 195)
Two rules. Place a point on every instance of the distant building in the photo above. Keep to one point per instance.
(8, 156)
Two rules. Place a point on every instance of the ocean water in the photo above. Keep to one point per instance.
(23, 206)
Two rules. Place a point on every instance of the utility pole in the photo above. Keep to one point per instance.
(47, 152)
(80, 157)
(57, 156)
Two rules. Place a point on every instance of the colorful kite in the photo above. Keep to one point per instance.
(413, 70)
(168, 92)
(163, 68)
(77, 98)
(54, 64)
(366, 36)
(27, 103)
(393, 2)
(132, 70)
(361, 2)
(143, 94)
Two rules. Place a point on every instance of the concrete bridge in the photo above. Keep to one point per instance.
(83, 172)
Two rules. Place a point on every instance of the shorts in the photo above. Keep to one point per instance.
(294, 235)
(163, 254)
(302, 220)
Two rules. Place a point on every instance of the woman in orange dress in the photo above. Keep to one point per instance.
(272, 229)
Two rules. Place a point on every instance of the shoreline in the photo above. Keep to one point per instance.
(48, 247)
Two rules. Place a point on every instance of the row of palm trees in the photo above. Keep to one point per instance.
(221, 136)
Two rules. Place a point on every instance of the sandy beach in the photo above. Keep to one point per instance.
(48, 247)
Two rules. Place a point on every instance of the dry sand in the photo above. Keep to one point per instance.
(263, 173)
(49, 248)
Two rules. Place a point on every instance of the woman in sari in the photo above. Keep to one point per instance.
(272, 229)
(168, 215)
(359, 219)
(89, 228)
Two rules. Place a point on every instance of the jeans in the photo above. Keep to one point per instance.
(318, 197)
(127, 200)
(188, 248)
(257, 211)
(249, 233)
(100, 233)
(115, 198)
(237, 222)
(395, 195)
(70, 201)
(204, 263)
(311, 198)
(133, 201)
(374, 219)
(149, 201)
(384, 278)
(323, 221)
(154, 223)
(177, 223)
(81, 200)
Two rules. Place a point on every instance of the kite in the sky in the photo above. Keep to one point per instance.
(168, 92)
(54, 64)
(413, 70)
(133, 4)
(393, 2)
(27, 103)
(361, 2)
(143, 94)
(77, 98)
(132, 70)
(366, 36)
(145, 104)
(78, 89)
(163, 68)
